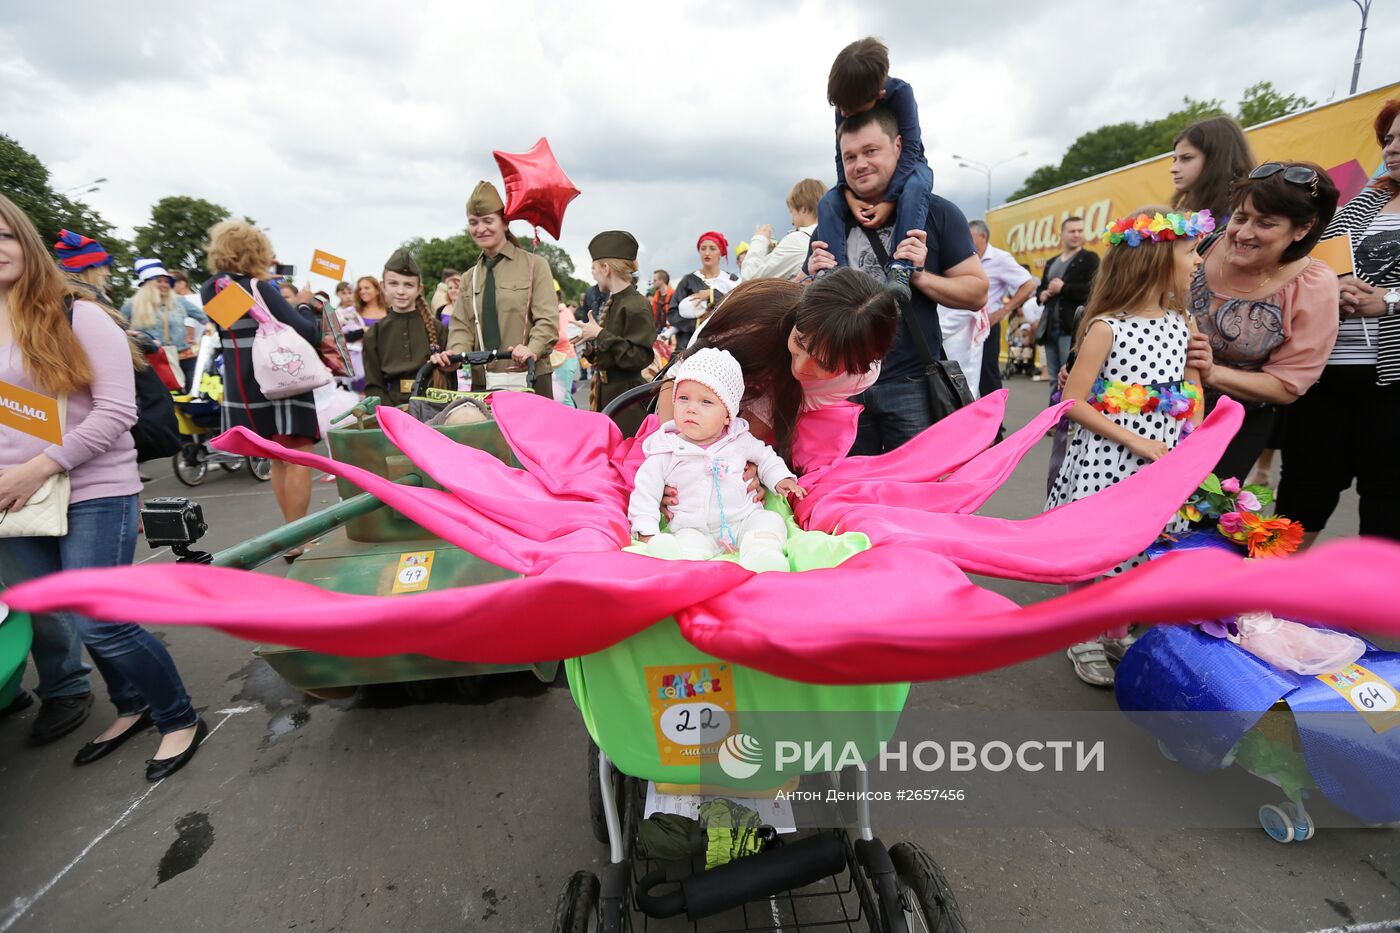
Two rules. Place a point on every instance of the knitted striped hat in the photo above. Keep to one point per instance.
(77, 252)
(147, 269)
(718, 371)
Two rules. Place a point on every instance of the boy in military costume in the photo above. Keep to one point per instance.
(619, 343)
(397, 346)
(506, 302)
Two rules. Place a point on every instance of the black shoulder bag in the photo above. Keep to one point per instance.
(947, 384)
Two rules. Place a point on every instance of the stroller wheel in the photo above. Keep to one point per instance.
(261, 468)
(233, 467)
(190, 464)
(927, 899)
(577, 910)
(1277, 823)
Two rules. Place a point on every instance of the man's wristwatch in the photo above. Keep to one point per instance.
(1391, 299)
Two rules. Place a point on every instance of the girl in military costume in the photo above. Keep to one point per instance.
(506, 303)
(396, 347)
(619, 343)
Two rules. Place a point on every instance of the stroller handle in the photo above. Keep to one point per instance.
(472, 358)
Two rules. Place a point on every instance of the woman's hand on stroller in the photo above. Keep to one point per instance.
(444, 361)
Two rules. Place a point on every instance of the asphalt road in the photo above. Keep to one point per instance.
(386, 812)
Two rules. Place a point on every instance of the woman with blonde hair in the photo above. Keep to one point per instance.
(156, 311)
(240, 254)
(619, 342)
(67, 349)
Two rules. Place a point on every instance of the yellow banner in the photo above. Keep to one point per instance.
(328, 265)
(1337, 136)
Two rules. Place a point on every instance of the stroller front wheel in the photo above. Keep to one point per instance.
(190, 464)
(577, 910)
(261, 468)
(924, 892)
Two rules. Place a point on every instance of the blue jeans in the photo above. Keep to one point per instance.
(910, 212)
(1056, 356)
(139, 672)
(893, 413)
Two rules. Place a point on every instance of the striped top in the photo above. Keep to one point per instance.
(1376, 257)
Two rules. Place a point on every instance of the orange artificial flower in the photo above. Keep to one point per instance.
(1272, 537)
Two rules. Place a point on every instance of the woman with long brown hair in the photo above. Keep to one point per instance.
(1208, 159)
(369, 299)
(65, 349)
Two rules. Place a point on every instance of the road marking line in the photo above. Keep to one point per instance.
(21, 905)
(1378, 926)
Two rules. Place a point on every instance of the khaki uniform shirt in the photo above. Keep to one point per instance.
(394, 349)
(628, 332)
(526, 308)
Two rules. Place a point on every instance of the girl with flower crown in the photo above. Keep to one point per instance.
(1136, 397)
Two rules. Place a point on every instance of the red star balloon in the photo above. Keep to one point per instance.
(537, 190)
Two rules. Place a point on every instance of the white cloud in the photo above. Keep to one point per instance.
(352, 127)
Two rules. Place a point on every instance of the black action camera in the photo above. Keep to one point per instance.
(174, 522)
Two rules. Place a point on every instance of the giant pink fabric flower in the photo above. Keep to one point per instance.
(903, 610)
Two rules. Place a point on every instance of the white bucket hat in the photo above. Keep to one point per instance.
(717, 370)
(147, 269)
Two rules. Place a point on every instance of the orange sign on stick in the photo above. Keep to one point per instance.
(30, 413)
(229, 305)
(323, 263)
(1336, 252)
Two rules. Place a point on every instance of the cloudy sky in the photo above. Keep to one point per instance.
(354, 126)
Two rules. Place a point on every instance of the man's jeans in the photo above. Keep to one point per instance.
(1056, 356)
(139, 672)
(893, 413)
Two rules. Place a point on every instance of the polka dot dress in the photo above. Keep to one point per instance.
(1145, 350)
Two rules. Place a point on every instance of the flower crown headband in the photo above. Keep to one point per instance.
(1142, 228)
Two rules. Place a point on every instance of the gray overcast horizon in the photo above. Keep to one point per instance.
(340, 129)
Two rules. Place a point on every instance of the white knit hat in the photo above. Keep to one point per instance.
(147, 269)
(719, 371)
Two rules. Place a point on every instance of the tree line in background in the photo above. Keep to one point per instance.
(179, 229)
(1119, 144)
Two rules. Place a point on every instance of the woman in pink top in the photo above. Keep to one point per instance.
(1267, 314)
(85, 363)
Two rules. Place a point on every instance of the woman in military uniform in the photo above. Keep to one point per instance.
(396, 347)
(619, 343)
(506, 303)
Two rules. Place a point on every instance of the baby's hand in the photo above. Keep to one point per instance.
(644, 538)
(789, 487)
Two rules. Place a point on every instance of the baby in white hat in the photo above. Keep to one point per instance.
(702, 452)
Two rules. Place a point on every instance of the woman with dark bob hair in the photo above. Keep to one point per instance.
(1348, 426)
(800, 349)
(1265, 311)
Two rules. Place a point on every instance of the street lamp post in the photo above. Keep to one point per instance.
(986, 169)
(89, 186)
(1365, 7)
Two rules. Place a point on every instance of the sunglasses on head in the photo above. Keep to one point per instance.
(1293, 174)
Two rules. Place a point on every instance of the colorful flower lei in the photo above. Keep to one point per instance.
(1142, 228)
(1176, 399)
(1236, 511)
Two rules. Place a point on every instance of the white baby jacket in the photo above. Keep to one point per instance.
(709, 481)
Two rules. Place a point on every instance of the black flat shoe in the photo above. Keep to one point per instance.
(95, 749)
(158, 769)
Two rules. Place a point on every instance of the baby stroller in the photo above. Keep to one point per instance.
(1021, 347)
(831, 873)
(199, 416)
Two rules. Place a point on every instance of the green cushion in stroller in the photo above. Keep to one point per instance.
(658, 706)
(15, 634)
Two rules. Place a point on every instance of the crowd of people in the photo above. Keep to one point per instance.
(1213, 294)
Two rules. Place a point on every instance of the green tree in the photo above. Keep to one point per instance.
(1119, 144)
(178, 233)
(458, 252)
(562, 267)
(1262, 103)
(25, 180)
